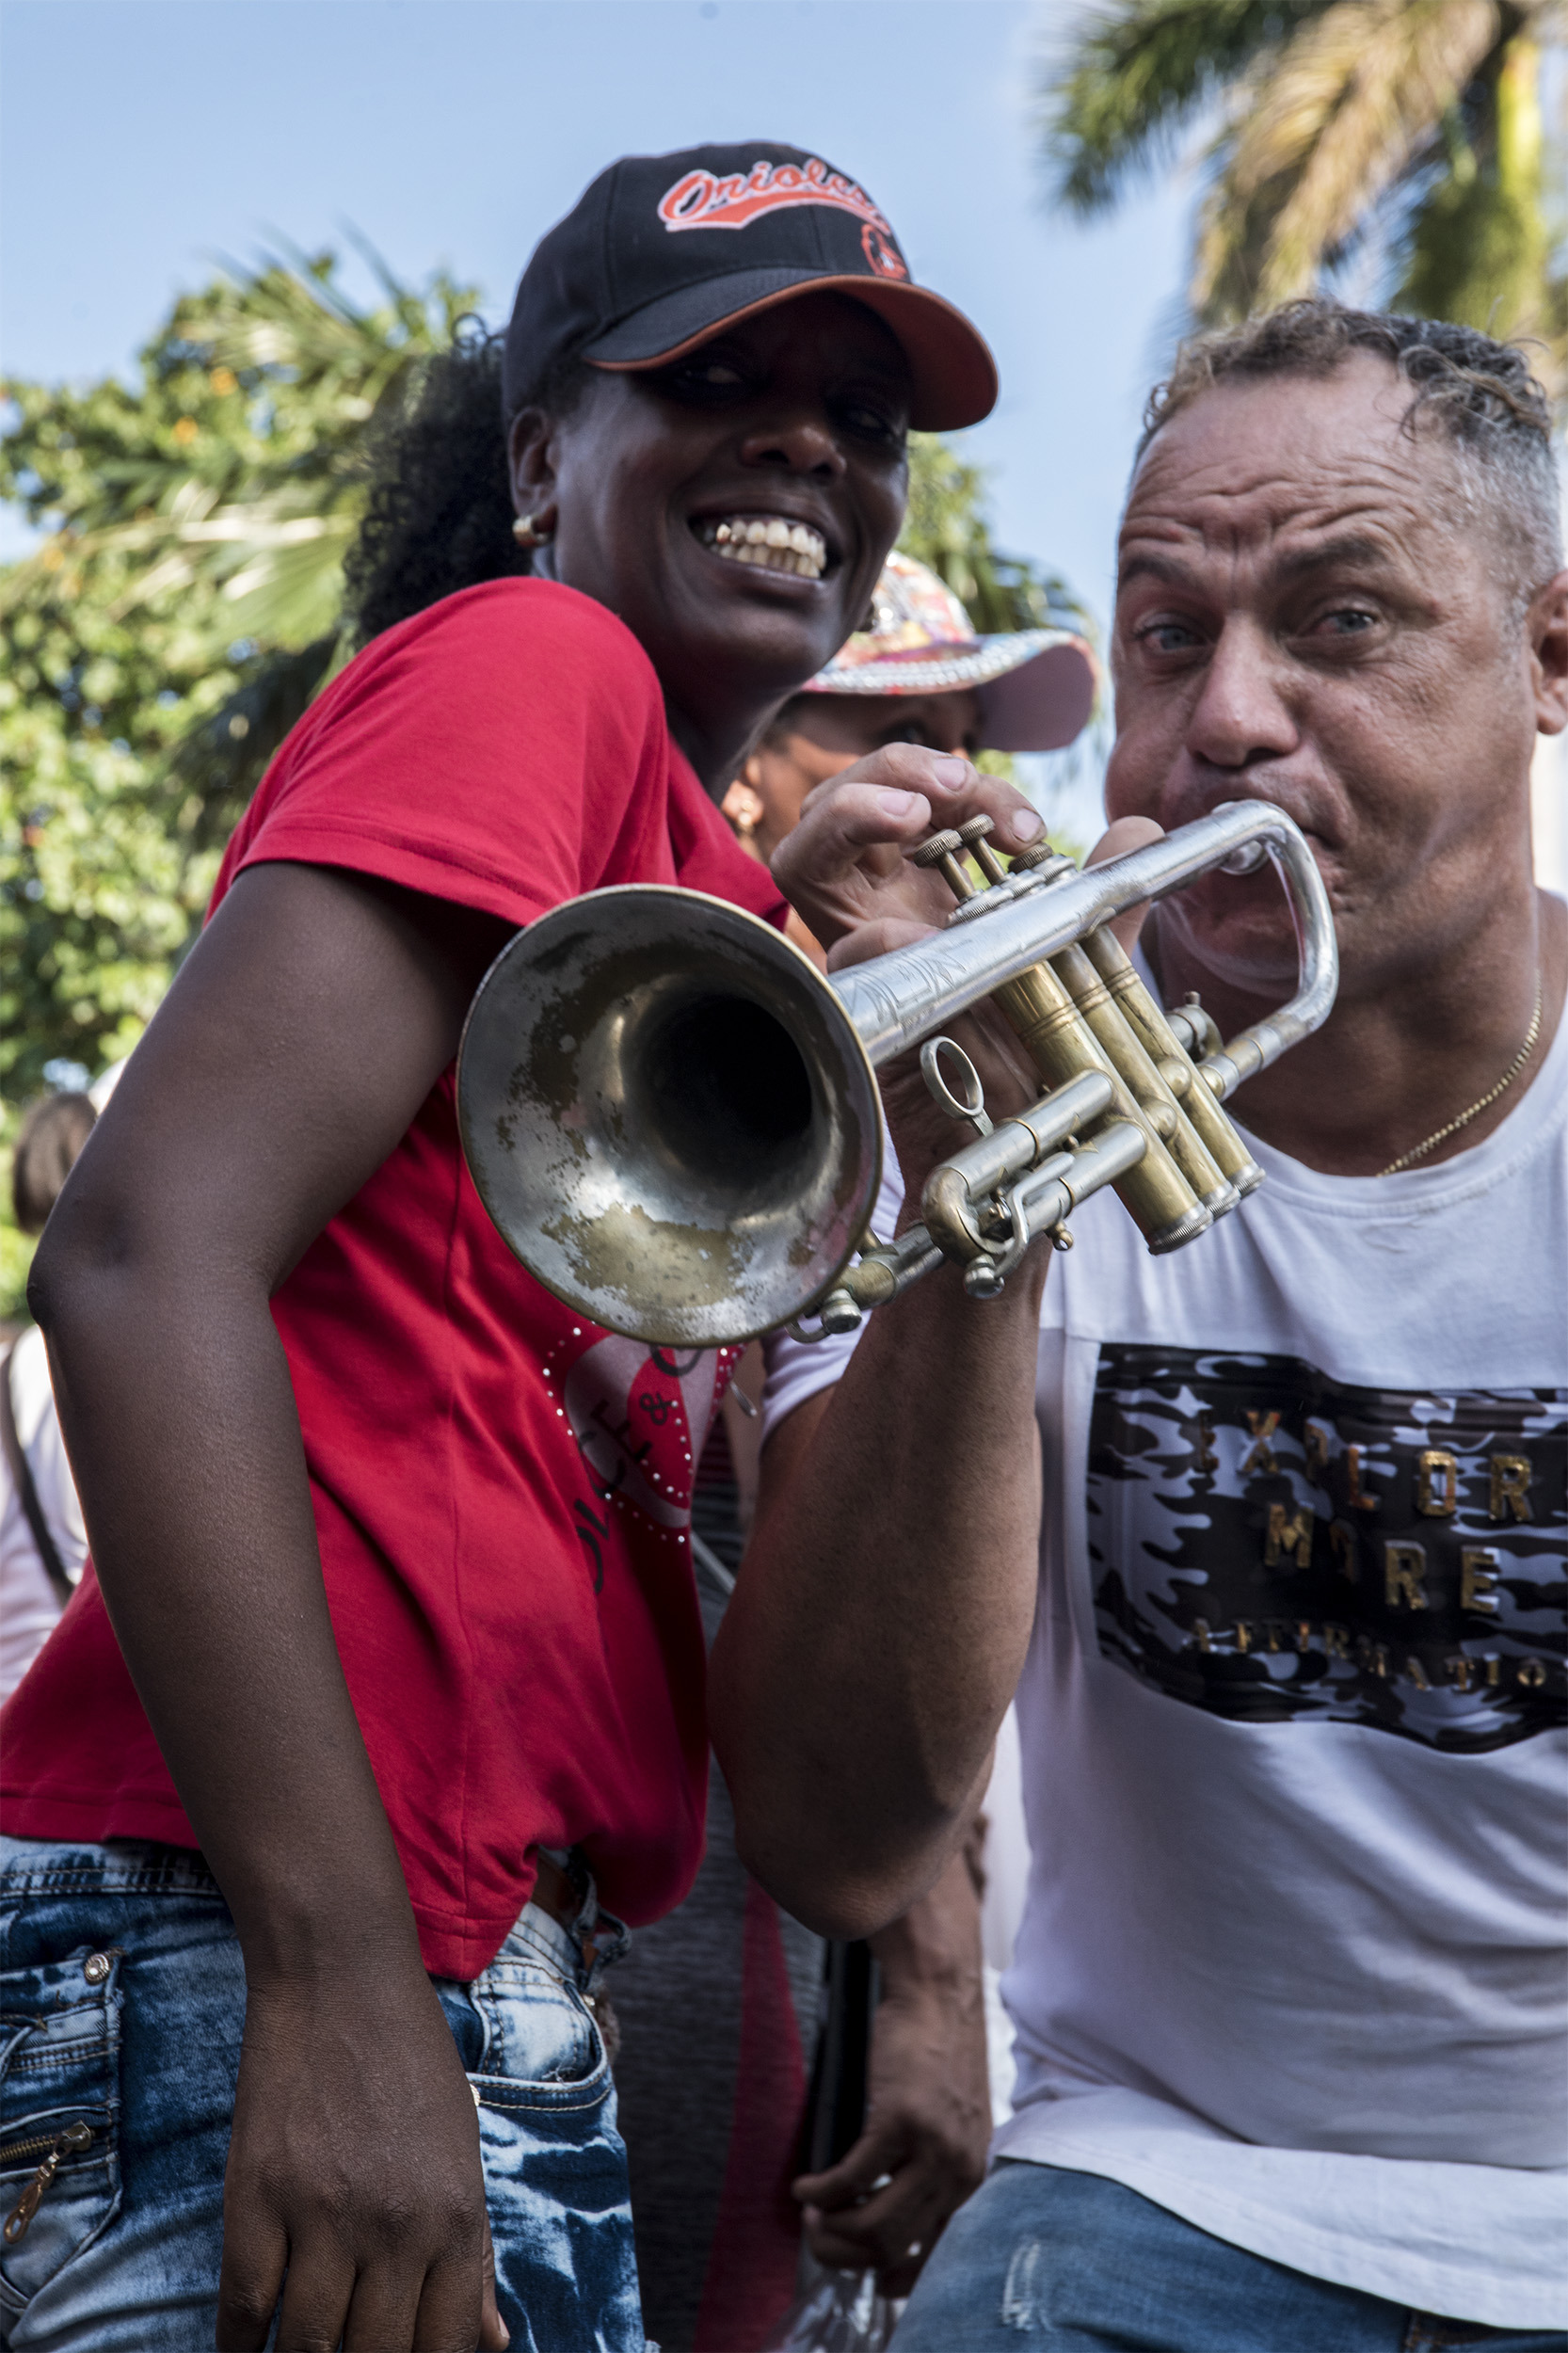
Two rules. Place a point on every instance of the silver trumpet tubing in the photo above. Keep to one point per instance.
(672, 1116)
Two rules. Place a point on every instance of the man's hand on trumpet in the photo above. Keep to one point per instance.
(845, 867)
(847, 870)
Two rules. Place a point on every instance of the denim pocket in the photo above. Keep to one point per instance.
(542, 2044)
(554, 2164)
(59, 2115)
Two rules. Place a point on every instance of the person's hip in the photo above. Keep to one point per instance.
(122, 1996)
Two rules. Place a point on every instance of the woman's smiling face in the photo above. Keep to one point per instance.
(733, 508)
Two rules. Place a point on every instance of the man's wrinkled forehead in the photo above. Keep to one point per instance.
(1254, 469)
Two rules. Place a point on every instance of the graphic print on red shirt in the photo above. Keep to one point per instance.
(502, 1491)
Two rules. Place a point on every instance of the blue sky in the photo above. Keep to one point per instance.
(143, 138)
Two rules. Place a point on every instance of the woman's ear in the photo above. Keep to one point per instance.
(531, 463)
(531, 459)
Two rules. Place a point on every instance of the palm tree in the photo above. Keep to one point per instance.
(1416, 123)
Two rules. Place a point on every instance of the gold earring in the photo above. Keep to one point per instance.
(743, 808)
(529, 532)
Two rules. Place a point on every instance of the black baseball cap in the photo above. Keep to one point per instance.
(663, 250)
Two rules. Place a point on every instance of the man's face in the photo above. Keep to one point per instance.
(1303, 618)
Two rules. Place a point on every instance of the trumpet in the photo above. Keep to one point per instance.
(672, 1116)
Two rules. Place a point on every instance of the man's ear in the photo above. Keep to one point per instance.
(1548, 635)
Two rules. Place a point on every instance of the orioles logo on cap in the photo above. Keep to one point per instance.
(703, 200)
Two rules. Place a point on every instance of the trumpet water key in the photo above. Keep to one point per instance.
(672, 1116)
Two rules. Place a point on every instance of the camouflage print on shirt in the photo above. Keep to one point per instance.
(1272, 1545)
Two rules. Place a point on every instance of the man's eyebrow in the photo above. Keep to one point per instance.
(1351, 547)
(1153, 568)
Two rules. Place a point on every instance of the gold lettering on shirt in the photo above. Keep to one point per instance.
(1511, 1478)
(1403, 1574)
(1477, 1579)
(1341, 1542)
(1290, 1533)
(1241, 1636)
(1200, 1633)
(1315, 1438)
(1530, 1672)
(1337, 1642)
(1436, 1483)
(1358, 1502)
(1416, 1672)
(1207, 1458)
(1261, 1455)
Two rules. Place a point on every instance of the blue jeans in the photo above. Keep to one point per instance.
(121, 2011)
(1079, 2264)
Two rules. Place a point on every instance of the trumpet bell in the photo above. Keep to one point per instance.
(668, 1116)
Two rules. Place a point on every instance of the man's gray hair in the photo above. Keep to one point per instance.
(1479, 394)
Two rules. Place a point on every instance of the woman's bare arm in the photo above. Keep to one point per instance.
(295, 1046)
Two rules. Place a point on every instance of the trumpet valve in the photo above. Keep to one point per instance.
(1041, 856)
(973, 837)
(946, 852)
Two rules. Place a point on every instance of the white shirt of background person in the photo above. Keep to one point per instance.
(28, 1602)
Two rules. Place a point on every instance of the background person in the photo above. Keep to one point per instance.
(42, 1542)
(718, 2004)
(917, 674)
(1287, 1588)
(405, 1665)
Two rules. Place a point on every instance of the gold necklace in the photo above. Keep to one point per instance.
(1520, 1059)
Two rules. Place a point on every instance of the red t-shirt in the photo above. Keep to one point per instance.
(501, 1490)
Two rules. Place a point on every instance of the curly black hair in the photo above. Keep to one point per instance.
(440, 513)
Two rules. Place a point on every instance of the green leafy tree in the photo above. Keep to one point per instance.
(180, 613)
(1415, 122)
(178, 617)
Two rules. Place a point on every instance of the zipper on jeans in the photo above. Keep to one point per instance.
(56, 2146)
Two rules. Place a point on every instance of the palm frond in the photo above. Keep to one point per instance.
(1348, 116)
(1477, 244)
(1135, 73)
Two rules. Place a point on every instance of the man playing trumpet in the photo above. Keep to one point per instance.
(1271, 1529)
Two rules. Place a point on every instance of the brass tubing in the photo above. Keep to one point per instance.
(1145, 1017)
(1039, 1005)
(1038, 1008)
(1164, 1111)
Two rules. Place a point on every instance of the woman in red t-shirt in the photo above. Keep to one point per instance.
(405, 1667)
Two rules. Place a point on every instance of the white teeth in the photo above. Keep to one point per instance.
(771, 541)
